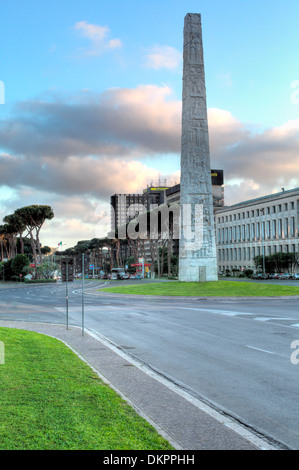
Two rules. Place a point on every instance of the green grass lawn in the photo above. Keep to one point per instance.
(51, 400)
(218, 288)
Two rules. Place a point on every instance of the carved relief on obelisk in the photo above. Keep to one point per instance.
(197, 261)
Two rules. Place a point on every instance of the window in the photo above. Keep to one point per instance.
(248, 232)
(286, 228)
(279, 228)
(292, 226)
(252, 231)
(268, 228)
(274, 228)
(258, 230)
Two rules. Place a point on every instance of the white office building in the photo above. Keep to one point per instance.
(261, 226)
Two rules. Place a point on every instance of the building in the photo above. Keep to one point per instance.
(172, 195)
(261, 226)
(125, 207)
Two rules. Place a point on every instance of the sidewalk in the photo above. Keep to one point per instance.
(183, 420)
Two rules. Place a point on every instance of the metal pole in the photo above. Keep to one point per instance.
(82, 294)
(264, 237)
(67, 294)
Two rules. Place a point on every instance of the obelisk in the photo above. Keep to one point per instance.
(197, 259)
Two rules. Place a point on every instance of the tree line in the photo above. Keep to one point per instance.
(277, 262)
(131, 242)
(21, 231)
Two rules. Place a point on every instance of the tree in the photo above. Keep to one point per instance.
(18, 227)
(19, 263)
(33, 217)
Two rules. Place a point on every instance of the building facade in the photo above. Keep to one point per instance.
(261, 226)
(126, 207)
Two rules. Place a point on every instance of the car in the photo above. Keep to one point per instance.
(132, 276)
(272, 276)
(295, 276)
(285, 276)
(260, 276)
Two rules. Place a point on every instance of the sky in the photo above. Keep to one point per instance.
(90, 102)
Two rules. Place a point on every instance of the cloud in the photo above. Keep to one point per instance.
(163, 57)
(74, 152)
(116, 122)
(262, 162)
(98, 37)
(74, 175)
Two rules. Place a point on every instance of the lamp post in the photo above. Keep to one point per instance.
(263, 238)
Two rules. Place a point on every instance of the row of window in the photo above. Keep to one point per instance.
(248, 253)
(280, 228)
(258, 212)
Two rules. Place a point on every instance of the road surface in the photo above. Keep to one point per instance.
(234, 354)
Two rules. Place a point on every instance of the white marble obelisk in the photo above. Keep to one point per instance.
(197, 259)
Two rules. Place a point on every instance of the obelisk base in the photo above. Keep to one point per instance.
(198, 270)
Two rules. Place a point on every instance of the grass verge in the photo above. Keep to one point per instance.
(51, 400)
(217, 288)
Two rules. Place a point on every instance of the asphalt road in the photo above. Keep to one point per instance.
(234, 354)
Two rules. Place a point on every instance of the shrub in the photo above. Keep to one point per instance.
(18, 264)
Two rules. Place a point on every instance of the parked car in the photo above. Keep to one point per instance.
(295, 276)
(260, 276)
(285, 276)
(132, 276)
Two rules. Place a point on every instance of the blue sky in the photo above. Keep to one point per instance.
(93, 99)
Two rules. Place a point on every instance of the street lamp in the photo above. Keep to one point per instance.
(263, 238)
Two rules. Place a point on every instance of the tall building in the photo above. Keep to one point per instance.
(126, 207)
